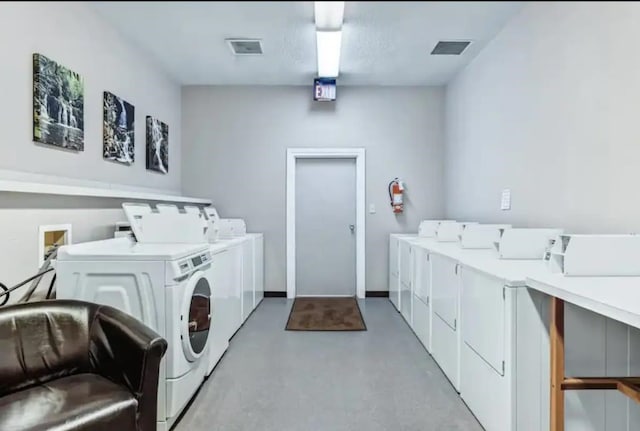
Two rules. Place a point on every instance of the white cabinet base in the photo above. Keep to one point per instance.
(394, 291)
(248, 282)
(445, 343)
(486, 393)
(258, 276)
(422, 322)
(445, 335)
(235, 284)
(394, 271)
(406, 303)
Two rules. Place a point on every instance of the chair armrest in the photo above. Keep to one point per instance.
(124, 350)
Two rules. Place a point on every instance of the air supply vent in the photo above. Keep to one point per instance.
(245, 46)
(450, 47)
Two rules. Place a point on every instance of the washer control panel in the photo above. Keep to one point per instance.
(190, 264)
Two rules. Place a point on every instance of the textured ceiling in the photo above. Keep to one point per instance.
(384, 43)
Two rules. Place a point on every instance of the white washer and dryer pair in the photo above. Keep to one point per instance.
(165, 286)
(237, 274)
(226, 276)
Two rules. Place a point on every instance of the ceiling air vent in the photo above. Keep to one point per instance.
(245, 46)
(450, 47)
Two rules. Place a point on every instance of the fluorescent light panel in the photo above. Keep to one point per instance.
(328, 45)
(329, 15)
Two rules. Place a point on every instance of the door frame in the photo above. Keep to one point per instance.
(325, 153)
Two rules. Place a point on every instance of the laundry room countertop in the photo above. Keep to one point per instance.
(615, 297)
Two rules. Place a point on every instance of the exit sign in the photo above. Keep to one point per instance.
(324, 89)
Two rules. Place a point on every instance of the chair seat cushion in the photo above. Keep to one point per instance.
(79, 402)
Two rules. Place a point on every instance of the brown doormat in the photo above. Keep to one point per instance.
(325, 314)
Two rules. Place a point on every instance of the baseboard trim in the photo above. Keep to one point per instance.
(377, 294)
(368, 294)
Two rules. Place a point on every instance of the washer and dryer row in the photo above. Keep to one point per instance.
(190, 291)
(238, 274)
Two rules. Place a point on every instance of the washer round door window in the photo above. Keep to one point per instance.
(196, 316)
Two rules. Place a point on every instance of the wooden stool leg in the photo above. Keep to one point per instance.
(557, 364)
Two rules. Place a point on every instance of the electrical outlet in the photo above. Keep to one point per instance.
(505, 204)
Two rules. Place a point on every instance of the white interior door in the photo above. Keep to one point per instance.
(325, 227)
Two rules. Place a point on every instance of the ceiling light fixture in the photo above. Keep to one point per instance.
(329, 15)
(328, 45)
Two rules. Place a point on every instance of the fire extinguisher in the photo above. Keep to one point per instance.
(396, 188)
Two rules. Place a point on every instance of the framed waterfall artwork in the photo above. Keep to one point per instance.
(157, 145)
(118, 137)
(58, 105)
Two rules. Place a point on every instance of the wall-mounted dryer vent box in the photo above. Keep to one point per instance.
(50, 237)
(522, 243)
(595, 255)
(428, 228)
(481, 235)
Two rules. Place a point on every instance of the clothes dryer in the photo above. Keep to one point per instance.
(166, 287)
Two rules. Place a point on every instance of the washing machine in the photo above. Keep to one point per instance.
(225, 315)
(258, 268)
(226, 280)
(237, 276)
(167, 287)
(229, 243)
(399, 268)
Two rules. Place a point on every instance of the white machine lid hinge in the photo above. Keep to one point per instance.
(428, 257)
(503, 368)
(455, 323)
(504, 293)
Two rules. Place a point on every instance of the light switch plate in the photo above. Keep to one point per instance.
(372, 209)
(505, 204)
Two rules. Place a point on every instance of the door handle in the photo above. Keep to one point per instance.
(352, 228)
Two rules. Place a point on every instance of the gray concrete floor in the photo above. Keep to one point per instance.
(276, 380)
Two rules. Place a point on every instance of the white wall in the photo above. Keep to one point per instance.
(22, 214)
(550, 110)
(73, 35)
(235, 141)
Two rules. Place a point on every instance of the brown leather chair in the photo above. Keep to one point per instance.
(71, 365)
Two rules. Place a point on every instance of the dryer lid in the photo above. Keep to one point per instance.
(165, 226)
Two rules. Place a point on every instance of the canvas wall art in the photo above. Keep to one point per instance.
(157, 145)
(118, 129)
(58, 105)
